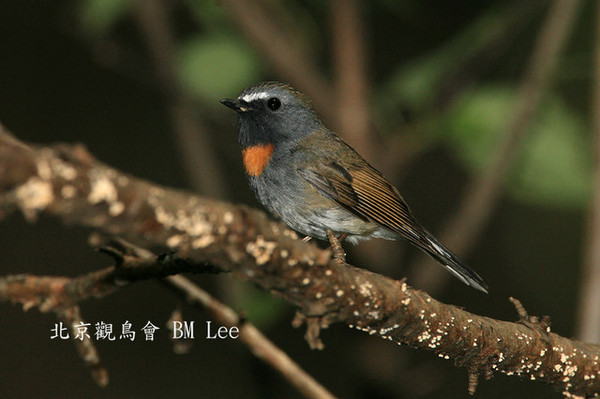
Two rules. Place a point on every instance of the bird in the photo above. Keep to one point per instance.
(317, 184)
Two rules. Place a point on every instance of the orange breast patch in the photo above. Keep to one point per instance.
(256, 158)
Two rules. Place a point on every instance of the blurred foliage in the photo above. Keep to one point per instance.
(216, 66)
(554, 165)
(258, 305)
(415, 84)
(450, 89)
(98, 17)
(209, 14)
(444, 75)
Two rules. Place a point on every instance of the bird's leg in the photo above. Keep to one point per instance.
(307, 238)
(336, 246)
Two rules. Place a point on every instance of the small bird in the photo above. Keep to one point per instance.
(305, 174)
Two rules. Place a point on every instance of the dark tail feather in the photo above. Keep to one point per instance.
(451, 262)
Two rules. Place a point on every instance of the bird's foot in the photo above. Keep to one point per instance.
(307, 238)
(336, 246)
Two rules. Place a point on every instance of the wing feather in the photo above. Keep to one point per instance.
(365, 192)
(362, 190)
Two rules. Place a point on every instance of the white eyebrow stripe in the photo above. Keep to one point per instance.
(255, 96)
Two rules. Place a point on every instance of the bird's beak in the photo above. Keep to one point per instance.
(236, 105)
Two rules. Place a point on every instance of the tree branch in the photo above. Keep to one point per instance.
(191, 135)
(67, 182)
(256, 341)
(352, 89)
(61, 294)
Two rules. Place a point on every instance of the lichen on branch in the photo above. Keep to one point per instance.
(68, 183)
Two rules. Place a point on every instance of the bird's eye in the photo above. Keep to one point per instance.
(274, 103)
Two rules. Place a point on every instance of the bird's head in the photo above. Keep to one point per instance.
(270, 113)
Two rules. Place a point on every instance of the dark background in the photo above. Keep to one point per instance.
(74, 72)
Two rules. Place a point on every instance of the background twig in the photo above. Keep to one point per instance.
(462, 229)
(260, 346)
(588, 323)
(190, 135)
(285, 56)
(351, 85)
(62, 295)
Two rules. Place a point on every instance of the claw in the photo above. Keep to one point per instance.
(336, 246)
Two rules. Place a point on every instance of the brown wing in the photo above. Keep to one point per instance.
(333, 182)
(362, 190)
(365, 192)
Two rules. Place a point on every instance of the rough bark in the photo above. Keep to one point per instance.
(68, 183)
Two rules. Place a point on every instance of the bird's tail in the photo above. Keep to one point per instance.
(451, 262)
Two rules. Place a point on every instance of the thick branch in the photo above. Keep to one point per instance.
(65, 181)
(61, 294)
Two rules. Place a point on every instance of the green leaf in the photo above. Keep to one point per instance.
(260, 307)
(554, 164)
(208, 12)
(556, 167)
(417, 81)
(216, 66)
(472, 126)
(415, 84)
(98, 17)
